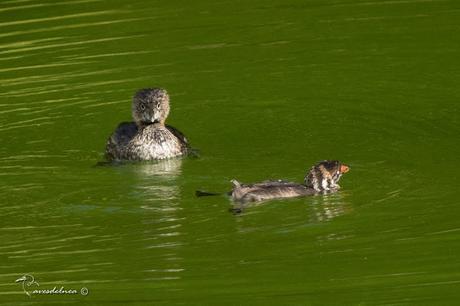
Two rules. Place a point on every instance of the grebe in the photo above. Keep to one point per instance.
(322, 178)
(148, 137)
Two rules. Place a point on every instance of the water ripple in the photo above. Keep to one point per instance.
(41, 5)
(67, 44)
(40, 121)
(46, 19)
(73, 26)
(31, 67)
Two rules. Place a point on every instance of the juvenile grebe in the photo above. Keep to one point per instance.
(148, 137)
(322, 178)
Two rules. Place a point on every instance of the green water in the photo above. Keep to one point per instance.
(263, 89)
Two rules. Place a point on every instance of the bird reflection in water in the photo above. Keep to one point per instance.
(158, 182)
(321, 208)
(328, 207)
(161, 223)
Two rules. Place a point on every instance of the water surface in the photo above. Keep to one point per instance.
(263, 90)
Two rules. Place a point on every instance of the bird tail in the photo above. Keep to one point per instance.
(235, 183)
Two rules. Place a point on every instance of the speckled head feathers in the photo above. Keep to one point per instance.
(150, 105)
(325, 175)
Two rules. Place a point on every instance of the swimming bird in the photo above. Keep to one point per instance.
(148, 137)
(322, 178)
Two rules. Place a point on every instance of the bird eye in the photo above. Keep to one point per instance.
(142, 107)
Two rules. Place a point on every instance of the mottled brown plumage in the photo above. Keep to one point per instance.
(148, 137)
(322, 178)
